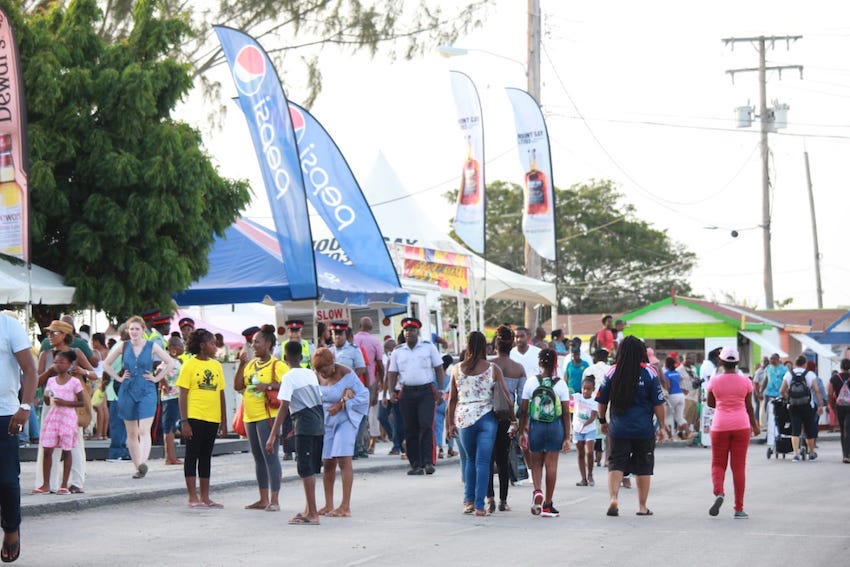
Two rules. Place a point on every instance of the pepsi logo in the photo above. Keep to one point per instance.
(249, 70)
(298, 122)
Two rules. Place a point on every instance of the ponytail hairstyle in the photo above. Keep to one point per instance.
(268, 333)
(196, 339)
(504, 339)
(626, 377)
(548, 360)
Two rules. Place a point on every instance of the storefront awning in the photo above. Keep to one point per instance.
(765, 344)
(810, 343)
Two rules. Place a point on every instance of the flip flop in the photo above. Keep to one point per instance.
(212, 504)
(197, 505)
(612, 511)
(63, 491)
(299, 520)
(75, 490)
(256, 506)
(40, 491)
(272, 508)
(11, 551)
(647, 513)
(581, 483)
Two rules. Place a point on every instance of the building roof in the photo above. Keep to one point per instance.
(579, 324)
(817, 319)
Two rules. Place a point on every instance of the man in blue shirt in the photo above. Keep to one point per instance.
(575, 370)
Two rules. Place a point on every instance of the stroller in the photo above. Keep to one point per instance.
(780, 431)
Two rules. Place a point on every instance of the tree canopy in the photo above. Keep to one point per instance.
(609, 260)
(302, 28)
(125, 202)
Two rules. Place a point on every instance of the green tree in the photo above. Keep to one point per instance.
(125, 202)
(608, 259)
(303, 28)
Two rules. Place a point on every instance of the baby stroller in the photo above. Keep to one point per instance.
(780, 431)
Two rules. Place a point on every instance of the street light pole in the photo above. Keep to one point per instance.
(533, 265)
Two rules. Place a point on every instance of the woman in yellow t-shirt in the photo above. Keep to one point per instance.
(202, 407)
(253, 378)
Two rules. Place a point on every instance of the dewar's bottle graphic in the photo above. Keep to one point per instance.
(537, 187)
(11, 203)
(470, 186)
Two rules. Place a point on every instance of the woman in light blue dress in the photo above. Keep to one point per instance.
(346, 402)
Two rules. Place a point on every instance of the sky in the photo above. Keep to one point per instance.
(635, 92)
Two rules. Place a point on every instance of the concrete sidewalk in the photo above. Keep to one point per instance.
(110, 483)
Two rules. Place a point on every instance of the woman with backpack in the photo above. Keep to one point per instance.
(634, 393)
(838, 395)
(471, 404)
(731, 394)
(545, 428)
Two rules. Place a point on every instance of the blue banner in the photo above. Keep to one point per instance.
(335, 194)
(264, 104)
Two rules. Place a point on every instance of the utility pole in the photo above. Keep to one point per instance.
(533, 265)
(766, 122)
(814, 231)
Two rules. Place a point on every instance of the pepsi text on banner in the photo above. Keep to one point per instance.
(469, 217)
(538, 215)
(335, 194)
(264, 105)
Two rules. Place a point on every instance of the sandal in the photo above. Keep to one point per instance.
(452, 453)
(11, 551)
(491, 505)
(63, 491)
(273, 508)
(583, 482)
(481, 513)
(468, 508)
(590, 481)
(503, 506)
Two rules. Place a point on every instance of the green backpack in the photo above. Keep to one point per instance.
(545, 405)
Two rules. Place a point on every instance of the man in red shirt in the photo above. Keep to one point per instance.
(605, 336)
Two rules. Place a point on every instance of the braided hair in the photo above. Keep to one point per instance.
(196, 339)
(626, 377)
(548, 360)
(504, 339)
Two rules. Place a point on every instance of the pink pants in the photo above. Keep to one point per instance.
(730, 446)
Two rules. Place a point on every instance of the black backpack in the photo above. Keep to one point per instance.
(799, 393)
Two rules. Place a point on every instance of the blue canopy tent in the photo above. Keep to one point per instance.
(246, 266)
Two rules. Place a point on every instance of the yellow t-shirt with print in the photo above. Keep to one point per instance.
(204, 380)
(254, 402)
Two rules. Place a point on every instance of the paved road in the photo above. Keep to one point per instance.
(798, 517)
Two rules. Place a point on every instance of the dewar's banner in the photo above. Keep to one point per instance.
(14, 196)
(538, 215)
(264, 104)
(469, 217)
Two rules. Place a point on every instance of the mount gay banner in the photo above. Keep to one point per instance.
(264, 104)
(14, 196)
(469, 218)
(538, 215)
(335, 194)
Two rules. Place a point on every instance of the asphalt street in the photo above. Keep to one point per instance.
(798, 516)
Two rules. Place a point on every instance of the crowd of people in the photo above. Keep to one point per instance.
(509, 404)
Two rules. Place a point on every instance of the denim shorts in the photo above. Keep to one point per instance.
(545, 437)
(137, 401)
(583, 437)
(170, 415)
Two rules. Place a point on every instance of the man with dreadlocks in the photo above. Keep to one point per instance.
(634, 392)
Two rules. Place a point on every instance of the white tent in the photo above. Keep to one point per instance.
(45, 287)
(402, 221)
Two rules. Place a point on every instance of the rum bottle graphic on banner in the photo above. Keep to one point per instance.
(11, 203)
(537, 187)
(470, 187)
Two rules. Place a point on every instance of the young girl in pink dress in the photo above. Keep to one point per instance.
(62, 394)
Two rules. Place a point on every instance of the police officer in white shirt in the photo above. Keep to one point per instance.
(417, 366)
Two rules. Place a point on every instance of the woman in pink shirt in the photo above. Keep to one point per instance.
(730, 394)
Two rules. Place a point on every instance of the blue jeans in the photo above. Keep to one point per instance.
(440, 424)
(117, 434)
(477, 442)
(10, 478)
(384, 420)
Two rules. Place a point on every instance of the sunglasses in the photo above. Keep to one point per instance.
(54, 333)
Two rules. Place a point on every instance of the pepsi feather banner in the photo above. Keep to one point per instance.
(469, 218)
(538, 215)
(335, 194)
(14, 196)
(264, 104)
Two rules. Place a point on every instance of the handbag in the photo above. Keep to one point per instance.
(503, 408)
(271, 395)
(238, 425)
(84, 413)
